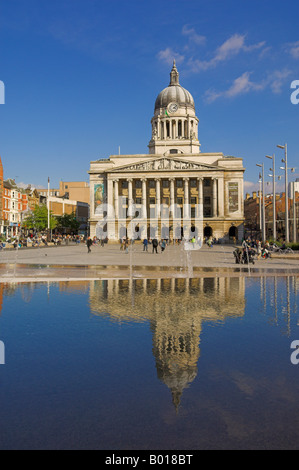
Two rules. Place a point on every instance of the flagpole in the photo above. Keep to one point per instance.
(48, 204)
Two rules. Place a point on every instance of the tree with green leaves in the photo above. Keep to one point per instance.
(38, 219)
(68, 221)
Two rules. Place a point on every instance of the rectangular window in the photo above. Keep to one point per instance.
(193, 200)
(207, 182)
(179, 200)
(124, 184)
(165, 183)
(152, 201)
(207, 200)
(193, 183)
(138, 200)
(138, 184)
(152, 184)
(179, 183)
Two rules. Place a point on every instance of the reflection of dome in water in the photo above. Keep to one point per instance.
(176, 351)
(176, 378)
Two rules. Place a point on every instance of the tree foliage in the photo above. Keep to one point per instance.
(38, 219)
(68, 221)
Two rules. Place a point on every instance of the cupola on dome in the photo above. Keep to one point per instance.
(174, 93)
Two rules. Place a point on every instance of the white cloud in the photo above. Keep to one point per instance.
(23, 185)
(294, 49)
(193, 36)
(244, 84)
(277, 79)
(241, 85)
(167, 55)
(230, 48)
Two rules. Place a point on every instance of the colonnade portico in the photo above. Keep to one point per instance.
(173, 202)
(114, 195)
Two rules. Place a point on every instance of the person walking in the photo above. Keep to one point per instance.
(259, 249)
(155, 245)
(145, 244)
(89, 243)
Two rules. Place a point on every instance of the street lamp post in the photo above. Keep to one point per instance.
(260, 203)
(48, 204)
(263, 203)
(285, 168)
(274, 194)
(294, 215)
(285, 161)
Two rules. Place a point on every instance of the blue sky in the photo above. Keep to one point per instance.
(81, 79)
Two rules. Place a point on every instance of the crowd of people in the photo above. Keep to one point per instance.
(41, 239)
(154, 243)
(252, 249)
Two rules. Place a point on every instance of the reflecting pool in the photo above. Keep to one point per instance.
(150, 364)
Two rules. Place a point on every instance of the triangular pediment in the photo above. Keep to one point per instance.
(164, 163)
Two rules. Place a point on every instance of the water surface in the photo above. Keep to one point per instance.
(150, 364)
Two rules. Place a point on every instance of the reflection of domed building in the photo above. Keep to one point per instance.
(174, 185)
(176, 310)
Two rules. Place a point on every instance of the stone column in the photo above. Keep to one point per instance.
(116, 208)
(200, 198)
(214, 197)
(109, 196)
(171, 208)
(171, 191)
(144, 201)
(220, 197)
(130, 190)
(130, 196)
(158, 196)
(186, 198)
(110, 211)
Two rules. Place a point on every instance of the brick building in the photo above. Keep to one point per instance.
(252, 213)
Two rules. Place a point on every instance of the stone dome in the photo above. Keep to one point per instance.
(174, 93)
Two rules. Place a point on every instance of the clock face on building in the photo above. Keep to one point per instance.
(173, 107)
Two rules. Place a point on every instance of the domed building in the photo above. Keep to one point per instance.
(174, 120)
(175, 191)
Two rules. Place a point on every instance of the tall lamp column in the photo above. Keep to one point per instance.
(263, 203)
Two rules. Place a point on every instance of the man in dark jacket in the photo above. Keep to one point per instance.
(89, 243)
(155, 245)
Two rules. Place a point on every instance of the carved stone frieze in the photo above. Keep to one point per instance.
(164, 164)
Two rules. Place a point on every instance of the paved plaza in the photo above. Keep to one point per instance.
(74, 262)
